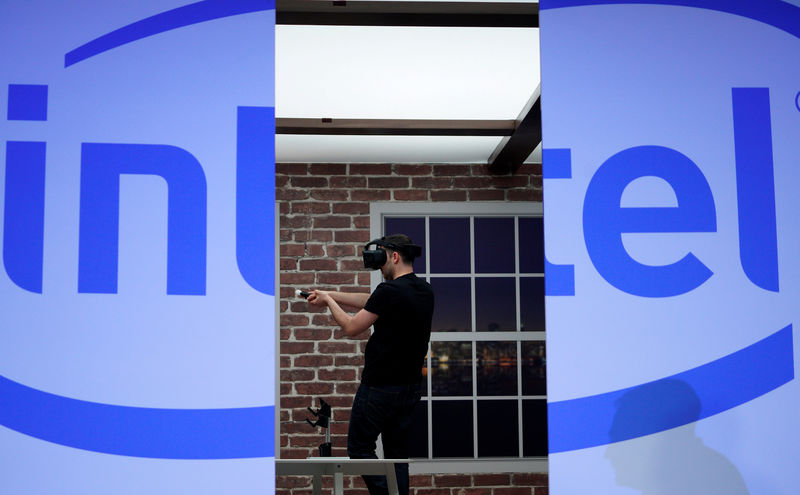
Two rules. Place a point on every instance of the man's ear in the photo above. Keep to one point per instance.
(397, 259)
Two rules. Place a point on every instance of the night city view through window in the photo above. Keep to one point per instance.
(484, 383)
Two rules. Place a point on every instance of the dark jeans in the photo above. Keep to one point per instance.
(385, 410)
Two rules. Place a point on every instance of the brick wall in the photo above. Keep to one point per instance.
(324, 222)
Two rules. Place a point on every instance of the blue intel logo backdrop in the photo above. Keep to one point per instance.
(137, 318)
(672, 136)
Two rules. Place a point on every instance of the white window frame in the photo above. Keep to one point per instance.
(380, 210)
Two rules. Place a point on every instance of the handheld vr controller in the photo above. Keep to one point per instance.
(375, 258)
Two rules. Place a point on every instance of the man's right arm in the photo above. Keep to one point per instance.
(352, 299)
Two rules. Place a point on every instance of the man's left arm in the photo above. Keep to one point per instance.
(352, 325)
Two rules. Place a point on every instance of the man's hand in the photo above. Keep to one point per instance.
(319, 298)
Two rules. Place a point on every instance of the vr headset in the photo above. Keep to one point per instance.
(375, 258)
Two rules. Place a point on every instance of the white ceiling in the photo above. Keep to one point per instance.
(401, 73)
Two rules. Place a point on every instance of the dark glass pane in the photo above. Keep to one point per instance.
(498, 428)
(494, 245)
(496, 368)
(531, 303)
(449, 245)
(534, 427)
(424, 383)
(413, 228)
(534, 376)
(452, 428)
(418, 432)
(531, 245)
(451, 368)
(495, 304)
(451, 312)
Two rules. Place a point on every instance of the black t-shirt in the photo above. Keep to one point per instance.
(397, 348)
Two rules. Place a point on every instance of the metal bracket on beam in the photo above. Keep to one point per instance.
(399, 13)
(515, 149)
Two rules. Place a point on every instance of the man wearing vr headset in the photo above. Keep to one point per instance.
(401, 309)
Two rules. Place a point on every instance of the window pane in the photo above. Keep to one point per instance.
(450, 246)
(531, 302)
(452, 428)
(451, 364)
(453, 298)
(496, 368)
(415, 229)
(418, 433)
(534, 427)
(495, 304)
(534, 377)
(424, 383)
(531, 245)
(494, 245)
(498, 428)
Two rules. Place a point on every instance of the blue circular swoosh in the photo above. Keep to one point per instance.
(138, 431)
(781, 15)
(187, 15)
(653, 407)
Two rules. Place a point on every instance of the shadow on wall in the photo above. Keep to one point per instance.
(670, 462)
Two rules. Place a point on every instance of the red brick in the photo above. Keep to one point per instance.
(351, 208)
(296, 222)
(487, 195)
(285, 388)
(330, 194)
(294, 320)
(288, 264)
(339, 250)
(323, 264)
(311, 207)
(506, 181)
(472, 182)
(314, 388)
(337, 374)
(313, 235)
(304, 279)
(285, 333)
(327, 169)
(446, 169)
(324, 320)
(370, 195)
(361, 222)
(411, 169)
(285, 194)
(475, 491)
(295, 401)
(530, 169)
(352, 265)
(315, 250)
(541, 490)
(336, 348)
(291, 168)
(492, 480)
(292, 249)
(529, 479)
(283, 208)
(349, 360)
(309, 181)
(292, 481)
(525, 194)
(296, 347)
(285, 362)
(311, 333)
(517, 490)
(335, 278)
(363, 278)
(281, 181)
(285, 235)
(431, 183)
(457, 480)
(448, 195)
(370, 169)
(360, 236)
(411, 195)
(332, 222)
(294, 454)
(417, 480)
(432, 491)
(347, 388)
(388, 182)
(347, 182)
(297, 375)
(312, 361)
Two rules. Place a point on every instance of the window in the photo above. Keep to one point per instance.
(484, 379)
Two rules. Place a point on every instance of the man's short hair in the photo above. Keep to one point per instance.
(400, 240)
